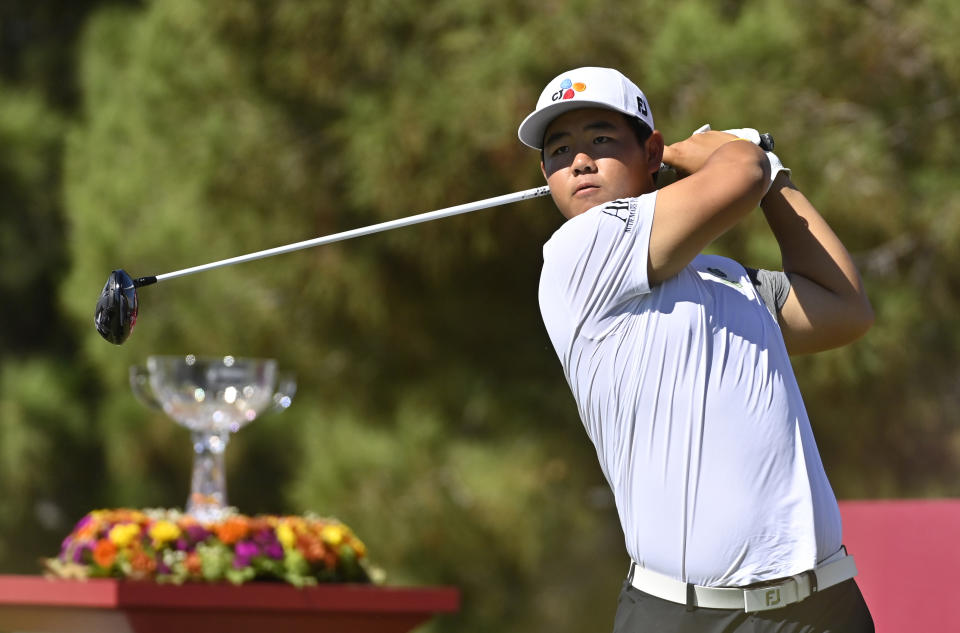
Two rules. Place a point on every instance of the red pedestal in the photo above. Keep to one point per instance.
(37, 605)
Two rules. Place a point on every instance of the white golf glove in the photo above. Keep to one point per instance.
(750, 134)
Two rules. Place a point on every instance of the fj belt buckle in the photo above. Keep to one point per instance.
(791, 590)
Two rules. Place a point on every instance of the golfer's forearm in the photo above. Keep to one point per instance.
(808, 246)
(693, 212)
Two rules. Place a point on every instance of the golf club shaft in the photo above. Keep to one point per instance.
(509, 198)
(766, 142)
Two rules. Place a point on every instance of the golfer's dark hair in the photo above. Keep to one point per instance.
(640, 129)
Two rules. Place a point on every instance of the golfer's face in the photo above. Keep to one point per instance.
(591, 156)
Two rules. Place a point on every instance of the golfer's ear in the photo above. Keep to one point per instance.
(543, 169)
(654, 147)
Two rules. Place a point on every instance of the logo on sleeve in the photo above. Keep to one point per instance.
(623, 210)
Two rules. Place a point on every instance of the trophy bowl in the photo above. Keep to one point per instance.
(212, 397)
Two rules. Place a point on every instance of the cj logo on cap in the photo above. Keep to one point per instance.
(568, 90)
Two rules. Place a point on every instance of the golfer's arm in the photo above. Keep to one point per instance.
(827, 306)
(693, 212)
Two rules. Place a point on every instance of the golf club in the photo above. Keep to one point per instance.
(118, 304)
(117, 307)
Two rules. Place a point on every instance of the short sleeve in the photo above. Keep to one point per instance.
(598, 260)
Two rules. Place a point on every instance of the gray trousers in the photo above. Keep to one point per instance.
(839, 609)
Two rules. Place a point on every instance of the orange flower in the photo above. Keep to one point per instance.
(89, 529)
(193, 564)
(104, 553)
(231, 530)
(297, 523)
(311, 547)
(358, 547)
(142, 562)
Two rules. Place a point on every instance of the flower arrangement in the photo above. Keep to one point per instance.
(169, 546)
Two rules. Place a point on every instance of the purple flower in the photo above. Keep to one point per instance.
(243, 552)
(247, 549)
(79, 554)
(263, 537)
(182, 545)
(274, 550)
(82, 522)
(197, 533)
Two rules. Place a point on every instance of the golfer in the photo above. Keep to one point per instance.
(679, 363)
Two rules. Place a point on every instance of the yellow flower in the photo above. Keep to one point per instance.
(286, 536)
(163, 532)
(123, 534)
(332, 534)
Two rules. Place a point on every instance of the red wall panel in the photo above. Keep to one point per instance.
(908, 556)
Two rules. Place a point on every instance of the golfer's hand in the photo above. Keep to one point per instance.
(689, 155)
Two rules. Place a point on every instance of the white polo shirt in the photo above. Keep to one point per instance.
(688, 395)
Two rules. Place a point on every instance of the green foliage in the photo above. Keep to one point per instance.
(49, 458)
(31, 227)
(215, 561)
(431, 414)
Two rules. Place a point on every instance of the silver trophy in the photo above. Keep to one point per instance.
(212, 397)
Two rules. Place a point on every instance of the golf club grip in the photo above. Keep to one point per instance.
(766, 142)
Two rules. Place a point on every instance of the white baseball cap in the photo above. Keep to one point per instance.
(588, 87)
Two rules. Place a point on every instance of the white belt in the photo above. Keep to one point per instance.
(773, 595)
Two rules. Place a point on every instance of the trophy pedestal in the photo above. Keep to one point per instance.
(32, 604)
